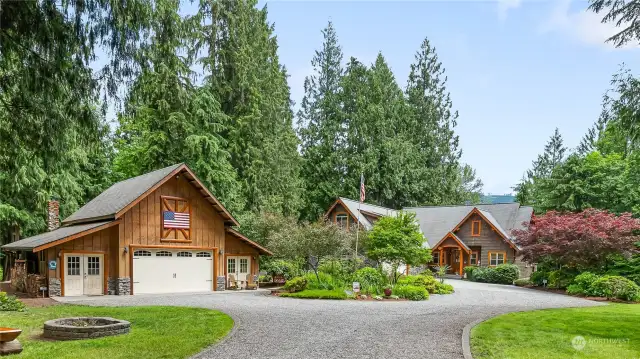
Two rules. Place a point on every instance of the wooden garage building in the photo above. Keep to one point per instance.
(161, 232)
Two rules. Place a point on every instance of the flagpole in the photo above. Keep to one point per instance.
(359, 203)
(357, 230)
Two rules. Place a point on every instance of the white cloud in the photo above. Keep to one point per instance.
(584, 26)
(505, 5)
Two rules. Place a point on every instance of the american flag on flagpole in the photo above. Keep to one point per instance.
(362, 191)
(176, 220)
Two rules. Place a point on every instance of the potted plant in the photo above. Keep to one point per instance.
(387, 291)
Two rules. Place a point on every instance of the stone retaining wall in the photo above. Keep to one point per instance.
(63, 329)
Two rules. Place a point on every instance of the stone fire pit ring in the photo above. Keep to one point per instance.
(84, 328)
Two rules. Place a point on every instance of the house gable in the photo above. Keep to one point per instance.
(489, 240)
(339, 208)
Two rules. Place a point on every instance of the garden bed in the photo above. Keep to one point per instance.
(332, 294)
(564, 292)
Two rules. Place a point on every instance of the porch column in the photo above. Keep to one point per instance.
(441, 254)
(461, 260)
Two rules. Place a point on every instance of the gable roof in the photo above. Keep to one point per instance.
(436, 222)
(105, 210)
(455, 238)
(120, 197)
(364, 209)
(61, 234)
(253, 244)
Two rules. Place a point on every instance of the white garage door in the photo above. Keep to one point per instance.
(172, 271)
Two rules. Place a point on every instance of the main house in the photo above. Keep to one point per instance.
(459, 236)
(159, 232)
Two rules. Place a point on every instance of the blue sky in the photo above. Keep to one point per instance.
(516, 69)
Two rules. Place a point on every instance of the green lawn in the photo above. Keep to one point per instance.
(156, 332)
(611, 331)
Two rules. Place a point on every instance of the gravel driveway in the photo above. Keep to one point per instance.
(272, 327)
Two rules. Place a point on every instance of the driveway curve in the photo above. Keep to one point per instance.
(272, 327)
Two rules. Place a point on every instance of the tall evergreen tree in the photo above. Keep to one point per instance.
(320, 127)
(167, 119)
(531, 189)
(49, 109)
(431, 120)
(243, 71)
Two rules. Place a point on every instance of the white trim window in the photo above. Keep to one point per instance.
(497, 258)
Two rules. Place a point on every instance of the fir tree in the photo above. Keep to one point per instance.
(243, 71)
(431, 121)
(167, 120)
(320, 127)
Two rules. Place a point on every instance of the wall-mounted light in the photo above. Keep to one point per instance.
(126, 250)
(221, 252)
(60, 253)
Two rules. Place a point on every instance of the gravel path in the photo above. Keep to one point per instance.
(272, 327)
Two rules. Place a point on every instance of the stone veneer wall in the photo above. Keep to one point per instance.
(112, 285)
(124, 286)
(221, 282)
(55, 288)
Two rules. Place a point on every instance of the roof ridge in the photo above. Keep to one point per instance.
(466, 205)
(368, 204)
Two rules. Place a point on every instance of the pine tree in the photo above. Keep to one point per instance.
(243, 71)
(320, 128)
(431, 121)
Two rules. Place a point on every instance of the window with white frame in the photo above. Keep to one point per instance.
(342, 220)
(497, 258)
(474, 258)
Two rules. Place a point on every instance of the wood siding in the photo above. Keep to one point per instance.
(235, 246)
(105, 241)
(141, 224)
(488, 240)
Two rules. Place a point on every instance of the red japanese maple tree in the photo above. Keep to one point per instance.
(583, 239)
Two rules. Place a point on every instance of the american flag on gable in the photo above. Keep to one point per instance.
(176, 220)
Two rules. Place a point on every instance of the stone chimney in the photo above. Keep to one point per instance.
(53, 215)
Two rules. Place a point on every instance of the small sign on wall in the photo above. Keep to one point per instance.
(53, 265)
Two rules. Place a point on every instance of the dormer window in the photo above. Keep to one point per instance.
(342, 220)
(476, 228)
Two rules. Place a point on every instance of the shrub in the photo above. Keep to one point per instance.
(582, 284)
(560, 279)
(616, 287)
(428, 283)
(264, 278)
(522, 282)
(370, 279)
(480, 274)
(502, 274)
(317, 294)
(327, 281)
(505, 274)
(443, 288)
(10, 303)
(296, 284)
(469, 271)
(538, 277)
(281, 267)
(411, 292)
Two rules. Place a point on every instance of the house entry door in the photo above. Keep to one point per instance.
(83, 274)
